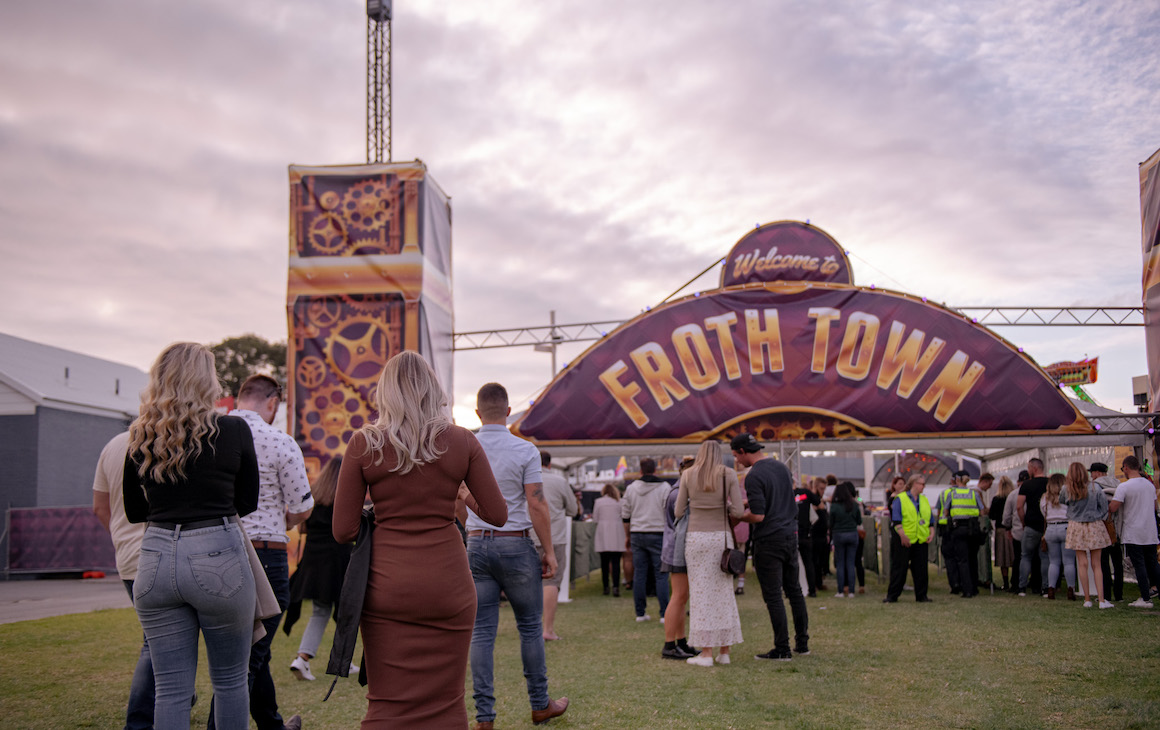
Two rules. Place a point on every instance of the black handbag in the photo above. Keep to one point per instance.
(732, 559)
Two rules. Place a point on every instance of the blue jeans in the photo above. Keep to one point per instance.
(845, 545)
(1059, 556)
(315, 628)
(1031, 538)
(139, 715)
(510, 565)
(646, 550)
(190, 581)
(775, 560)
(263, 701)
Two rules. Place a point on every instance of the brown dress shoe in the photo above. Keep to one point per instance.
(483, 726)
(555, 708)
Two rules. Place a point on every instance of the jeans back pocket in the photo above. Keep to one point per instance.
(218, 573)
(147, 565)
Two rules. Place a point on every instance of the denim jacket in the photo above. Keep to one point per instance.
(1092, 508)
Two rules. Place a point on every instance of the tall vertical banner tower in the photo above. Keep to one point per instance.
(370, 276)
(1150, 239)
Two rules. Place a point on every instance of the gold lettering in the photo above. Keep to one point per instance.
(763, 340)
(903, 363)
(696, 358)
(722, 325)
(624, 393)
(951, 386)
(824, 316)
(854, 359)
(657, 372)
(744, 264)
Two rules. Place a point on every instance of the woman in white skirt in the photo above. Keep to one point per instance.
(1087, 508)
(705, 489)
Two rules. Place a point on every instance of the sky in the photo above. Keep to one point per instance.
(598, 155)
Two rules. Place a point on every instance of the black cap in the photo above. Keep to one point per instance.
(961, 473)
(745, 442)
(1098, 466)
(1024, 476)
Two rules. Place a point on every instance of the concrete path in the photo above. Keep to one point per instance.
(25, 600)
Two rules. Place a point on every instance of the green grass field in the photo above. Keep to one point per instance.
(991, 662)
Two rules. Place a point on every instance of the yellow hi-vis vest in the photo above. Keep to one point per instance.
(942, 510)
(915, 520)
(963, 503)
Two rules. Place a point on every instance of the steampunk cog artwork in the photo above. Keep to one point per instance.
(357, 349)
(796, 426)
(368, 205)
(327, 235)
(330, 416)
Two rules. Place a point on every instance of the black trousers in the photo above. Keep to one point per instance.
(944, 548)
(806, 551)
(610, 563)
(775, 562)
(964, 559)
(913, 558)
(1112, 560)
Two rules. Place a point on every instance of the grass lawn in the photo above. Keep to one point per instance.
(990, 662)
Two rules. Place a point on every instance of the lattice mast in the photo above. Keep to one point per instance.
(379, 80)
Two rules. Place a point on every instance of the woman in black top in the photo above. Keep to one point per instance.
(320, 572)
(190, 472)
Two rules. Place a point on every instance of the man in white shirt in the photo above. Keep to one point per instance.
(561, 508)
(1137, 498)
(284, 500)
(109, 507)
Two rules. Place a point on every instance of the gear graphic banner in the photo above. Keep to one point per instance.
(369, 276)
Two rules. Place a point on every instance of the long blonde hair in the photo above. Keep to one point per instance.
(1006, 486)
(326, 484)
(177, 412)
(1077, 482)
(1055, 484)
(707, 467)
(412, 415)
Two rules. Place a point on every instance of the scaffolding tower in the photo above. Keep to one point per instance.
(379, 80)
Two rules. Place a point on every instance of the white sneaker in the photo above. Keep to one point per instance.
(839, 595)
(1140, 603)
(353, 668)
(645, 617)
(700, 661)
(1107, 604)
(1022, 594)
(662, 620)
(301, 669)
(1087, 604)
(722, 658)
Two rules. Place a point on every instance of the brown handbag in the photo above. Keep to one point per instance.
(732, 559)
(1110, 525)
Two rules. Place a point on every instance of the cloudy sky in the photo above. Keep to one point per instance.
(598, 154)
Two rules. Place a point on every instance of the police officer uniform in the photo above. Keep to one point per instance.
(914, 521)
(964, 507)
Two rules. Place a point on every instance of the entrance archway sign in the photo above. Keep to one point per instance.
(793, 359)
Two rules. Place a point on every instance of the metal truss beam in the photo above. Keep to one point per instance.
(989, 316)
(1055, 316)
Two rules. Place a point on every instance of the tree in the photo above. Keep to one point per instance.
(240, 357)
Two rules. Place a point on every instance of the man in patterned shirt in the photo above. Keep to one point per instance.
(284, 501)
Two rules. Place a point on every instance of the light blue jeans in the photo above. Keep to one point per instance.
(511, 565)
(190, 581)
(1059, 556)
(315, 628)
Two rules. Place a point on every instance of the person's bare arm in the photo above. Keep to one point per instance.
(296, 518)
(1021, 508)
(1114, 507)
(542, 524)
(101, 507)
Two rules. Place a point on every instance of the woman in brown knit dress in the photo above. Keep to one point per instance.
(420, 601)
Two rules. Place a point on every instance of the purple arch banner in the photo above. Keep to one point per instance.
(841, 360)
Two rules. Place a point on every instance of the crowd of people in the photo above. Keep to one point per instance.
(199, 505)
